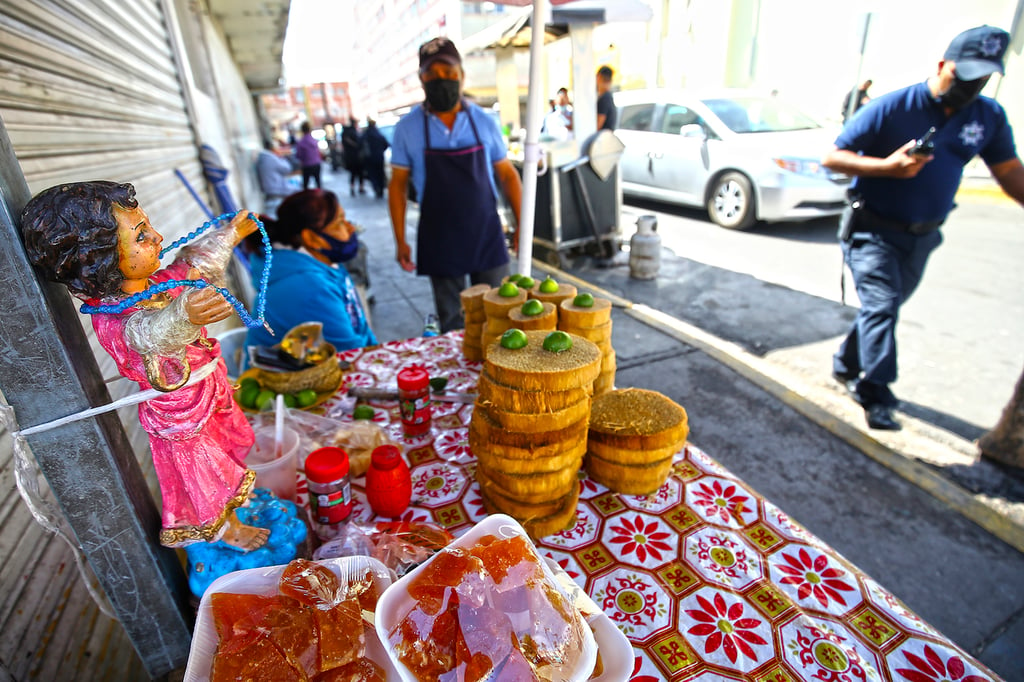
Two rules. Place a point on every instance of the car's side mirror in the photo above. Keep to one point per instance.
(695, 130)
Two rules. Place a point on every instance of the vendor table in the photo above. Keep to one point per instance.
(708, 580)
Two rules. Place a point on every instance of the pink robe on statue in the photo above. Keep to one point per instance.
(198, 435)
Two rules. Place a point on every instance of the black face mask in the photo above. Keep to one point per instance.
(442, 94)
(961, 93)
(339, 251)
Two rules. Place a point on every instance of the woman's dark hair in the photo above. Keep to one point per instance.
(310, 209)
(70, 234)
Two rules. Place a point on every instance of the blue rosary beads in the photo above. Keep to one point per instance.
(243, 314)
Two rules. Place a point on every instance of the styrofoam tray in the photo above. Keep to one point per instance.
(615, 650)
(264, 581)
(395, 603)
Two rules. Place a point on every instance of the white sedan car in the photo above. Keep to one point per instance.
(743, 156)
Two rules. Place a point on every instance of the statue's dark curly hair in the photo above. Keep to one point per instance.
(70, 234)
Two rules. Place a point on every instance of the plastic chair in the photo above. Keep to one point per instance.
(232, 349)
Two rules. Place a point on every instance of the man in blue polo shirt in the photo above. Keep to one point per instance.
(456, 157)
(901, 195)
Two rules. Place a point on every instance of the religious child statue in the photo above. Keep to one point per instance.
(94, 238)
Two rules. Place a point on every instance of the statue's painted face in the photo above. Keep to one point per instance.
(138, 245)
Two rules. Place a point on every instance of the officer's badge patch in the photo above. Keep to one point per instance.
(972, 133)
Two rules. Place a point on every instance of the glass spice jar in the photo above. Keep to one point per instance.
(414, 400)
(388, 482)
(330, 493)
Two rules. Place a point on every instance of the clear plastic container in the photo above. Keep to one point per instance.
(396, 602)
(264, 581)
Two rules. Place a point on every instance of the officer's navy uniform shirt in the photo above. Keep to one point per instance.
(889, 121)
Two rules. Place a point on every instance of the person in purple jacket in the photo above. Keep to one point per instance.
(308, 153)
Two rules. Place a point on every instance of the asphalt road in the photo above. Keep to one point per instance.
(959, 337)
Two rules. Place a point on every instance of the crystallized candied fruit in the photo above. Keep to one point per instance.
(310, 583)
(363, 670)
(487, 612)
(312, 630)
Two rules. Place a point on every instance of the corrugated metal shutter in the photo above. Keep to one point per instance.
(79, 105)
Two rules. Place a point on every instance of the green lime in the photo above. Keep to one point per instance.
(246, 395)
(265, 400)
(508, 290)
(514, 339)
(513, 278)
(290, 400)
(584, 300)
(249, 381)
(363, 412)
(556, 342)
(532, 307)
(438, 383)
(526, 282)
(306, 397)
(548, 286)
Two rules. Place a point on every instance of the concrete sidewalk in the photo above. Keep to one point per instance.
(953, 556)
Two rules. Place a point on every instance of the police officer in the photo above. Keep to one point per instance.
(902, 195)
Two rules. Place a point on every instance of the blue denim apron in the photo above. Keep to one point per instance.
(459, 230)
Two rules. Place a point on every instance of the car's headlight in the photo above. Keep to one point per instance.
(801, 166)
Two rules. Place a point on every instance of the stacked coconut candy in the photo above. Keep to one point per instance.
(472, 300)
(633, 436)
(529, 426)
(591, 317)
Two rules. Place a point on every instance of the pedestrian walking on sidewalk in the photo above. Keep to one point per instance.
(307, 151)
(855, 99)
(376, 144)
(355, 156)
(454, 153)
(902, 193)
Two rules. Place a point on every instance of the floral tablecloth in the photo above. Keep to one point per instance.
(708, 580)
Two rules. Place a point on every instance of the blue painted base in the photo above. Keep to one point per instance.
(208, 561)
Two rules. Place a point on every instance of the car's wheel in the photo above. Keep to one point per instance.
(731, 201)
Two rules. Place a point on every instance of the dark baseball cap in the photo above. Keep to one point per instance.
(439, 49)
(978, 52)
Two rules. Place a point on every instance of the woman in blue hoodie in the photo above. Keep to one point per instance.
(310, 238)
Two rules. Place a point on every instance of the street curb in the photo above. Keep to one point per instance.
(977, 508)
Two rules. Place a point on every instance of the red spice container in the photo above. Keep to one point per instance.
(414, 399)
(388, 482)
(330, 494)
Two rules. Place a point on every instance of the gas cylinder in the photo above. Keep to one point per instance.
(645, 249)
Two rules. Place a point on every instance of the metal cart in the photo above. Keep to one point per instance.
(579, 202)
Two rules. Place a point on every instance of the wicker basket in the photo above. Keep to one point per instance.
(321, 378)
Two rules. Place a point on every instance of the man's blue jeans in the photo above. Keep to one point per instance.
(887, 267)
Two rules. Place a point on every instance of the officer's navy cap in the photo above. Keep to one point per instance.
(978, 52)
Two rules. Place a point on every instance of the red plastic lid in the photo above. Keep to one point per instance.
(385, 457)
(326, 465)
(413, 377)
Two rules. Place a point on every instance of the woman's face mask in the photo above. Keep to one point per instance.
(442, 94)
(337, 250)
(961, 93)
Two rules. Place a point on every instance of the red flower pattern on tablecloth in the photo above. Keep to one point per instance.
(589, 487)
(725, 628)
(641, 538)
(636, 677)
(726, 502)
(637, 602)
(814, 576)
(563, 564)
(932, 668)
(453, 444)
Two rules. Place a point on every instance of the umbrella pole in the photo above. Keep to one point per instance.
(531, 150)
